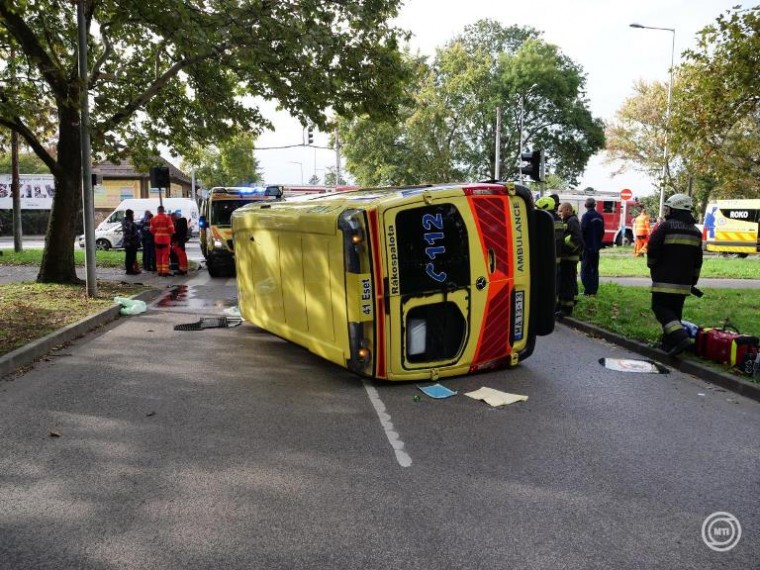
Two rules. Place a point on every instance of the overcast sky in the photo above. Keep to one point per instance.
(594, 33)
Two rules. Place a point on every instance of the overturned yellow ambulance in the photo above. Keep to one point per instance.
(412, 283)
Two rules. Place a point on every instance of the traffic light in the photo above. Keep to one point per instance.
(536, 164)
(159, 177)
(310, 135)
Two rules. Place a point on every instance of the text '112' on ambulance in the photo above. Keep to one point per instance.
(408, 283)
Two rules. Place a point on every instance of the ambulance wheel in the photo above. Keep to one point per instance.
(213, 270)
(103, 244)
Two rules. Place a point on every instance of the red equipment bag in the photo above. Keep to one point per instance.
(724, 346)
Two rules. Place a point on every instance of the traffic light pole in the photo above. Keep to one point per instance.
(497, 158)
(520, 140)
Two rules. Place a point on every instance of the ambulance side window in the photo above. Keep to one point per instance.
(433, 249)
(434, 332)
(608, 207)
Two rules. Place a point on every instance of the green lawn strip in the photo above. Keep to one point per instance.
(627, 311)
(613, 264)
(34, 257)
(29, 311)
(102, 258)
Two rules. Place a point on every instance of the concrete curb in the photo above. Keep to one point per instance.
(724, 380)
(29, 353)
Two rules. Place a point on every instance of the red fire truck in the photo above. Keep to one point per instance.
(610, 206)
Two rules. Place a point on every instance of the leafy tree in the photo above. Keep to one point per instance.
(637, 135)
(230, 164)
(28, 163)
(330, 178)
(636, 139)
(446, 127)
(716, 123)
(176, 72)
(314, 180)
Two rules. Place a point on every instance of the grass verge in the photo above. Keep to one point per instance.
(103, 258)
(627, 311)
(29, 311)
(34, 257)
(619, 262)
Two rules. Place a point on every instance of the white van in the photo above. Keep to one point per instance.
(108, 233)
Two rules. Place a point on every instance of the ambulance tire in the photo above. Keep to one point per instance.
(213, 270)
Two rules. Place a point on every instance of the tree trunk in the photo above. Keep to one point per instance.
(58, 259)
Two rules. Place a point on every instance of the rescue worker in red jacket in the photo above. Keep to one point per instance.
(642, 231)
(572, 246)
(674, 257)
(162, 228)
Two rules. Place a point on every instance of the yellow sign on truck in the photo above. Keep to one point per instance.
(731, 226)
(408, 283)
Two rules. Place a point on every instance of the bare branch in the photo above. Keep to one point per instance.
(153, 89)
(32, 141)
(107, 50)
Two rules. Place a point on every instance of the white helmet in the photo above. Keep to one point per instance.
(679, 202)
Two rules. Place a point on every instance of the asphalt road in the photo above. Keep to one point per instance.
(231, 448)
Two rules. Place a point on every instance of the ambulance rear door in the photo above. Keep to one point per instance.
(429, 292)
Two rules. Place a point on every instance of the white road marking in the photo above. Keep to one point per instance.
(231, 282)
(402, 456)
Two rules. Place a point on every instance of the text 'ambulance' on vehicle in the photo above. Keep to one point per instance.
(407, 283)
(215, 219)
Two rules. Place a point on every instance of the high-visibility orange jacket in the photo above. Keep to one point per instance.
(641, 225)
(162, 228)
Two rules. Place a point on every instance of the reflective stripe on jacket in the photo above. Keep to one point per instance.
(674, 256)
(559, 236)
(162, 228)
(641, 225)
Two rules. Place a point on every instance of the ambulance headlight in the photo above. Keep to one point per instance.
(217, 243)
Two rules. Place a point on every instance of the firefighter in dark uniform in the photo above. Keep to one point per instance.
(674, 257)
(550, 204)
(572, 246)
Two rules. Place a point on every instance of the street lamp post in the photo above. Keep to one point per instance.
(667, 110)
